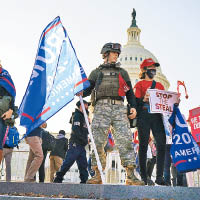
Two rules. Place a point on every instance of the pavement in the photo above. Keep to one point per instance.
(44, 191)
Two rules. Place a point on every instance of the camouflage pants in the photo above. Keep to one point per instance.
(115, 115)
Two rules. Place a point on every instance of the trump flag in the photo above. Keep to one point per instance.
(184, 150)
(56, 77)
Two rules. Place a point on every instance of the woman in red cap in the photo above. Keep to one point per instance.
(149, 122)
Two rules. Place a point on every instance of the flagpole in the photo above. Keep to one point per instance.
(92, 140)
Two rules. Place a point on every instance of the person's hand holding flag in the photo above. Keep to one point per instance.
(79, 94)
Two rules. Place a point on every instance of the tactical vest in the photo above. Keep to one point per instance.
(107, 84)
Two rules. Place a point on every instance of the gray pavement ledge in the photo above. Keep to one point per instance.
(12, 190)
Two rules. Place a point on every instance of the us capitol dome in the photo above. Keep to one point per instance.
(133, 54)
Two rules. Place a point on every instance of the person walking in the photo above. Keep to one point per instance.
(34, 140)
(147, 121)
(57, 155)
(77, 143)
(109, 84)
(48, 144)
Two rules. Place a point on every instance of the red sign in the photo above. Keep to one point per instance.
(194, 117)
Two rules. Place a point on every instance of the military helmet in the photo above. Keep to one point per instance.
(108, 47)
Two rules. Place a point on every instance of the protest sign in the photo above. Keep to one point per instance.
(194, 117)
(162, 101)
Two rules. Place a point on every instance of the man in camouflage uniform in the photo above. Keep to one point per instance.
(109, 85)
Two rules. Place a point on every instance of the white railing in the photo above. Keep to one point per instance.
(114, 172)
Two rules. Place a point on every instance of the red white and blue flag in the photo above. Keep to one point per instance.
(110, 139)
(56, 77)
(184, 150)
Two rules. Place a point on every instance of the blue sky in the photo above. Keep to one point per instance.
(170, 30)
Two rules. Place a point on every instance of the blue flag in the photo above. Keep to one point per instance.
(184, 150)
(56, 77)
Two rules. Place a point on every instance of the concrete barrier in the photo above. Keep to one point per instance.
(84, 191)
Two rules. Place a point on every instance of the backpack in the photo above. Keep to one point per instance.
(12, 139)
(48, 141)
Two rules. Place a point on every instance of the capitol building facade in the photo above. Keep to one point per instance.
(133, 54)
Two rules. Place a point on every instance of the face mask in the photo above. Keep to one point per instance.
(151, 73)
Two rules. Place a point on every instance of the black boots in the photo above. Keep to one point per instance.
(160, 181)
(58, 179)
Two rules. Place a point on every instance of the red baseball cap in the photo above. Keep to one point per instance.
(148, 62)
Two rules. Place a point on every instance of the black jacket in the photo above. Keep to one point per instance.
(48, 141)
(79, 134)
(60, 148)
(36, 132)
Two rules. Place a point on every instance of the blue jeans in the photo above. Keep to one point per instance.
(2, 132)
(75, 153)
